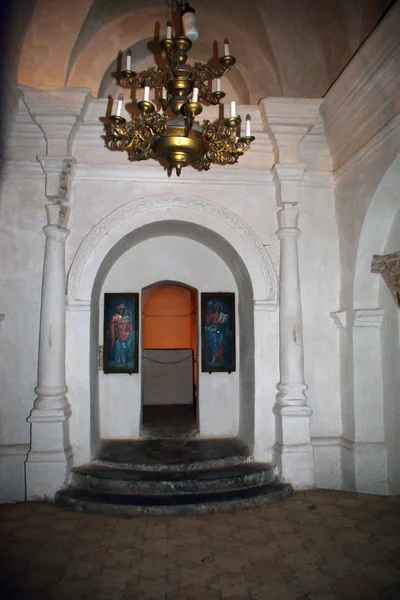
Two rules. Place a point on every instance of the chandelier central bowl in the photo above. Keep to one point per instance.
(178, 149)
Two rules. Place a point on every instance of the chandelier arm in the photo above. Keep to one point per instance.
(137, 136)
(154, 77)
(207, 71)
(207, 95)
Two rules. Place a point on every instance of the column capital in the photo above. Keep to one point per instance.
(288, 218)
(58, 171)
(288, 180)
(56, 112)
(282, 172)
(57, 215)
(287, 121)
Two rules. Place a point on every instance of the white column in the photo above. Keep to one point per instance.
(288, 121)
(50, 454)
(293, 450)
(291, 354)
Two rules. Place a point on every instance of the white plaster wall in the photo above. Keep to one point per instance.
(319, 280)
(185, 261)
(390, 340)
(98, 193)
(22, 218)
(362, 122)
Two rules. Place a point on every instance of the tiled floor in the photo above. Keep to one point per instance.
(314, 545)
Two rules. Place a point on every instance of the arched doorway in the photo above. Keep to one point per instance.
(169, 375)
(225, 237)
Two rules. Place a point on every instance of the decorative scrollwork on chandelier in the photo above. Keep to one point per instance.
(172, 135)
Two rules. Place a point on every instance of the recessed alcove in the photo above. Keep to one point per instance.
(202, 260)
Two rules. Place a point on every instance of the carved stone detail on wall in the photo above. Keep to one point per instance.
(124, 212)
(65, 178)
(389, 267)
(339, 318)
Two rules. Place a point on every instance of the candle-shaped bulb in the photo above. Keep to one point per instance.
(248, 126)
(169, 30)
(147, 93)
(218, 85)
(233, 108)
(119, 105)
(129, 60)
(226, 47)
(188, 16)
(164, 93)
(195, 94)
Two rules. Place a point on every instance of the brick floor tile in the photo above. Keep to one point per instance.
(357, 587)
(263, 571)
(115, 578)
(315, 581)
(302, 561)
(110, 596)
(342, 565)
(277, 591)
(319, 596)
(77, 569)
(189, 592)
(386, 573)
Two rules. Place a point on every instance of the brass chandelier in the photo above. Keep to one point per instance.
(170, 134)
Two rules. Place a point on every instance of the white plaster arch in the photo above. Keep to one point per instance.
(374, 233)
(143, 211)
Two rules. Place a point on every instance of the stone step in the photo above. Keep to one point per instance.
(172, 454)
(169, 476)
(130, 504)
(101, 478)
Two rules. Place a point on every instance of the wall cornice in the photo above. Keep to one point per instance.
(368, 317)
(57, 113)
(287, 121)
(154, 173)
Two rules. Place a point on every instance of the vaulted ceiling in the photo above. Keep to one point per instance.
(292, 48)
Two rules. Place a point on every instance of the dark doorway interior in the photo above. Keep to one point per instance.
(169, 421)
(169, 329)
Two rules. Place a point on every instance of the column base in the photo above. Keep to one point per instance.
(293, 451)
(50, 457)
